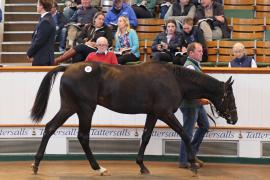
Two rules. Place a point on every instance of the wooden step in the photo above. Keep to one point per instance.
(21, 8)
(20, 1)
(16, 58)
(20, 36)
(17, 16)
(20, 46)
(27, 7)
(20, 26)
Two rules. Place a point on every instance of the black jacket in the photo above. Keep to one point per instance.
(89, 33)
(43, 39)
(176, 42)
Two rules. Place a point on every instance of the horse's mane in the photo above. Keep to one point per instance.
(201, 79)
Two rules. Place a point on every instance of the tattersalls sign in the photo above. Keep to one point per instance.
(166, 133)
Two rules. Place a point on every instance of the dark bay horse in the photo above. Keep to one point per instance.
(155, 89)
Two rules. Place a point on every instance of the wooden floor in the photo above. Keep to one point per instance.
(128, 170)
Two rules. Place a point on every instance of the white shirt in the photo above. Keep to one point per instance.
(42, 15)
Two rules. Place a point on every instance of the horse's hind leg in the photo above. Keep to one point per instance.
(148, 129)
(173, 123)
(85, 117)
(50, 128)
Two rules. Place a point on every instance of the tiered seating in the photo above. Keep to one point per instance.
(239, 4)
(262, 8)
(243, 29)
(212, 51)
(225, 53)
(263, 53)
(147, 31)
(220, 52)
(239, 8)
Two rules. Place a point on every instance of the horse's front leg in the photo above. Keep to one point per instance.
(148, 129)
(173, 123)
(50, 128)
(85, 120)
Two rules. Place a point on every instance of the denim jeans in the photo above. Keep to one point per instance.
(61, 35)
(190, 117)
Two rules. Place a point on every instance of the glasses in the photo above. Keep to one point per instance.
(102, 45)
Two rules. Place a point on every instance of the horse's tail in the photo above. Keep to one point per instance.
(40, 105)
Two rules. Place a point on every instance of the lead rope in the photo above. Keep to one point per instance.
(213, 113)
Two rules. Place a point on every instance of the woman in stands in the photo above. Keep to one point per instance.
(191, 34)
(241, 59)
(167, 43)
(88, 37)
(126, 42)
(179, 11)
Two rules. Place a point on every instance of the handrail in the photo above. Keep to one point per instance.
(225, 70)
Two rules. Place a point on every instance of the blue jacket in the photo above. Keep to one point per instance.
(0, 15)
(43, 39)
(244, 61)
(134, 43)
(126, 10)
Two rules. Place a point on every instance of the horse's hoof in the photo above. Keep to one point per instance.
(145, 171)
(103, 171)
(35, 169)
(194, 168)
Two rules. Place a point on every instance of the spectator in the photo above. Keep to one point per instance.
(179, 11)
(60, 22)
(0, 15)
(164, 6)
(193, 110)
(167, 43)
(102, 54)
(191, 34)
(120, 8)
(82, 16)
(96, 3)
(127, 43)
(41, 52)
(144, 8)
(69, 10)
(210, 18)
(241, 59)
(87, 38)
(198, 2)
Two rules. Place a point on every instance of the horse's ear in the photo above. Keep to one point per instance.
(229, 80)
(231, 83)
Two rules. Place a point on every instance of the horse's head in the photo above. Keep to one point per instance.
(227, 108)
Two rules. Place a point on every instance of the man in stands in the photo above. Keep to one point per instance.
(0, 15)
(120, 8)
(102, 54)
(60, 22)
(210, 18)
(82, 16)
